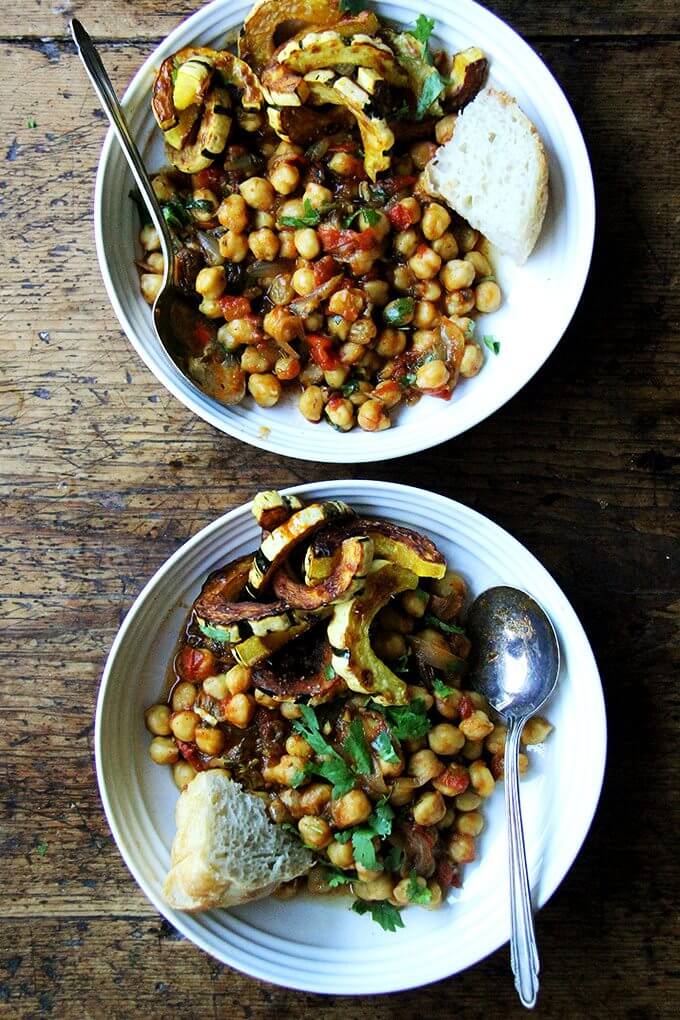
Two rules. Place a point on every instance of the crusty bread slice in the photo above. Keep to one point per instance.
(227, 851)
(494, 173)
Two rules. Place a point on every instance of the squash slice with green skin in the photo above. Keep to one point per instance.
(270, 508)
(255, 649)
(212, 135)
(349, 634)
(376, 135)
(315, 50)
(232, 622)
(392, 542)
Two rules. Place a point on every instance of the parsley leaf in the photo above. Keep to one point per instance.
(399, 312)
(470, 329)
(424, 28)
(383, 746)
(336, 771)
(407, 380)
(42, 848)
(311, 217)
(350, 387)
(381, 911)
(329, 672)
(335, 877)
(441, 689)
(343, 837)
(364, 851)
(309, 729)
(356, 747)
(407, 722)
(31, 122)
(491, 343)
(433, 86)
(372, 216)
(299, 777)
(446, 628)
(352, 6)
(415, 892)
(382, 818)
(334, 768)
(175, 214)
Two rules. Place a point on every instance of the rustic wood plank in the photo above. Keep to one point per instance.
(149, 19)
(103, 475)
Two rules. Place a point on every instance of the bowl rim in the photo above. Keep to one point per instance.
(373, 448)
(589, 796)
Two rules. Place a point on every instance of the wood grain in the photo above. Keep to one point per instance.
(103, 475)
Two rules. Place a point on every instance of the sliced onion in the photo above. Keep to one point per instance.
(211, 248)
(304, 306)
(261, 270)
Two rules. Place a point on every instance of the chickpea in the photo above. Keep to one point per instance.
(412, 208)
(216, 687)
(307, 242)
(257, 193)
(239, 710)
(429, 809)
(284, 177)
(402, 278)
(292, 801)
(406, 242)
(210, 740)
(446, 246)
(340, 412)
(289, 710)
(315, 832)
(317, 881)
(403, 790)
(361, 262)
(351, 353)
(352, 809)
(315, 797)
(535, 730)
(425, 263)
(163, 188)
(481, 779)
(293, 208)
(389, 393)
(390, 618)
(254, 359)
(157, 720)
(282, 324)
(340, 854)
(426, 315)
(468, 801)
(287, 249)
(232, 213)
(428, 290)
(377, 292)
(444, 128)
(311, 403)
(421, 153)
(200, 214)
(237, 333)
(379, 888)
(467, 238)
(335, 377)
(477, 726)
(149, 239)
(452, 781)
(445, 739)
(303, 281)
(435, 221)
(286, 368)
(211, 308)
(295, 744)
(278, 811)
(338, 327)
(416, 693)
(150, 284)
(372, 417)
(480, 262)
(425, 765)
(348, 302)
(317, 195)
(234, 247)
(470, 823)
(457, 274)
(488, 296)
(460, 302)
(314, 323)
(163, 751)
(472, 749)
(284, 148)
(472, 361)
(415, 602)
(156, 262)
(432, 375)
(183, 725)
(424, 339)
(387, 644)
(211, 282)
(345, 164)
(448, 819)
(363, 331)
(461, 848)
(390, 343)
(264, 244)
(401, 892)
(182, 774)
(183, 696)
(264, 388)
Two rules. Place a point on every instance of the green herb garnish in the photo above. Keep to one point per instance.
(356, 747)
(399, 312)
(311, 217)
(381, 911)
(441, 689)
(42, 848)
(415, 892)
(298, 778)
(372, 216)
(334, 876)
(350, 387)
(491, 343)
(433, 86)
(407, 380)
(379, 824)
(424, 28)
(334, 768)
(407, 722)
(394, 859)
(383, 745)
(329, 672)
(446, 628)
(31, 122)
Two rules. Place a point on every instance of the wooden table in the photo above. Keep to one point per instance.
(105, 474)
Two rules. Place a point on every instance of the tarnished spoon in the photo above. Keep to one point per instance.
(516, 661)
(176, 317)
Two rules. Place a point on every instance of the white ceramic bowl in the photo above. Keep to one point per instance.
(540, 297)
(314, 944)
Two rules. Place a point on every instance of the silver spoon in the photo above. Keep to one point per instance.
(515, 666)
(175, 315)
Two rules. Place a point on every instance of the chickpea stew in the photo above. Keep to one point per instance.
(326, 674)
(295, 193)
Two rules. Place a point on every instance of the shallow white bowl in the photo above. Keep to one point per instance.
(314, 944)
(540, 297)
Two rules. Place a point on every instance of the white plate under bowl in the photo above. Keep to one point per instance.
(539, 298)
(311, 943)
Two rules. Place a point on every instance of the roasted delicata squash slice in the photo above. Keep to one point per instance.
(321, 50)
(229, 581)
(346, 578)
(232, 622)
(270, 508)
(283, 87)
(424, 79)
(468, 71)
(376, 136)
(349, 634)
(192, 81)
(211, 139)
(301, 671)
(277, 545)
(391, 542)
(256, 649)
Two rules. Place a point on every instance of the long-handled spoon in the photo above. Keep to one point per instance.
(516, 664)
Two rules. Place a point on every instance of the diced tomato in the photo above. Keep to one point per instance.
(465, 707)
(211, 178)
(497, 765)
(323, 269)
(455, 779)
(447, 874)
(190, 753)
(401, 217)
(323, 352)
(444, 392)
(234, 307)
(345, 242)
(201, 337)
(194, 664)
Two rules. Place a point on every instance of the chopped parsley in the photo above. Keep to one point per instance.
(441, 689)
(399, 312)
(379, 824)
(31, 122)
(407, 380)
(372, 216)
(416, 892)
(407, 722)
(424, 28)
(311, 217)
(446, 628)
(298, 778)
(383, 745)
(356, 747)
(334, 876)
(381, 911)
(350, 387)
(491, 343)
(329, 673)
(41, 848)
(433, 86)
(334, 768)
